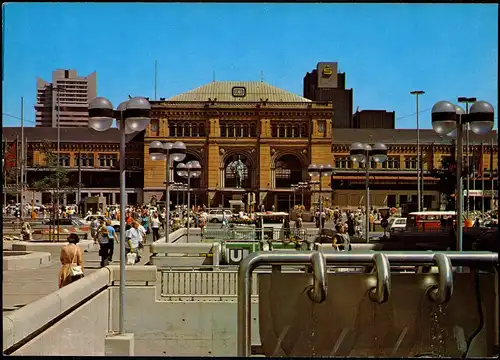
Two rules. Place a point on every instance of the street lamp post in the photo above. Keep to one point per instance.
(302, 186)
(448, 119)
(364, 153)
(320, 171)
(313, 184)
(131, 116)
(192, 169)
(419, 195)
(170, 153)
(467, 101)
(57, 89)
(294, 187)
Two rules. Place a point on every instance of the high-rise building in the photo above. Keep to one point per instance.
(73, 93)
(325, 84)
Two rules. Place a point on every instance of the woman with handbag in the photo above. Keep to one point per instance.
(71, 261)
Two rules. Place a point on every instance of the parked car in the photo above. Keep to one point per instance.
(398, 224)
(66, 226)
(217, 215)
(89, 218)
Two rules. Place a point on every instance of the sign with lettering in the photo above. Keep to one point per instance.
(236, 255)
(239, 91)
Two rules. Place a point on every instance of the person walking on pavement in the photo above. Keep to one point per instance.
(225, 222)
(104, 243)
(145, 225)
(134, 239)
(71, 258)
(155, 227)
(113, 237)
(94, 225)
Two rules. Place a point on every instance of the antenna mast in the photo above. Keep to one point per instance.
(156, 76)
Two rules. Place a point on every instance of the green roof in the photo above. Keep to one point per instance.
(255, 91)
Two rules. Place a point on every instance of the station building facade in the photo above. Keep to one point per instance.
(275, 133)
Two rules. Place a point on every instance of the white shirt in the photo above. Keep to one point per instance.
(135, 238)
(142, 230)
(155, 223)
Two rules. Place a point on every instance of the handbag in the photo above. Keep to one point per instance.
(131, 258)
(75, 270)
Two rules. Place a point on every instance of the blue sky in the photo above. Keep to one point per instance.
(386, 50)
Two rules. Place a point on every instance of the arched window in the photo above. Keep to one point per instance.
(274, 130)
(288, 171)
(281, 130)
(201, 129)
(303, 131)
(253, 132)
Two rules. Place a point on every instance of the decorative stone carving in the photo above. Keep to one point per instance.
(273, 151)
(222, 151)
(304, 151)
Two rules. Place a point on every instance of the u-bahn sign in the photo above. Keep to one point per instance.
(237, 251)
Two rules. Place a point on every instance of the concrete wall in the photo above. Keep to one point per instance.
(160, 327)
(81, 332)
(175, 328)
(197, 328)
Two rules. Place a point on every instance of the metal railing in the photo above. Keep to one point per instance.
(185, 283)
(201, 281)
(242, 234)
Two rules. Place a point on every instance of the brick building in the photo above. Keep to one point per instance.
(98, 173)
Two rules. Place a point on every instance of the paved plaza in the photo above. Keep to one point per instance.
(21, 287)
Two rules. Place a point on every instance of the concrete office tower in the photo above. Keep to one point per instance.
(325, 83)
(75, 92)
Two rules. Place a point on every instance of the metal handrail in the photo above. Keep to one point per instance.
(319, 290)
(442, 292)
(382, 260)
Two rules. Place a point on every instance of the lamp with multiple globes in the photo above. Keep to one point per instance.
(449, 119)
(168, 152)
(363, 153)
(131, 116)
(315, 170)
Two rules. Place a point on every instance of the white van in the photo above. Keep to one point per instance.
(398, 224)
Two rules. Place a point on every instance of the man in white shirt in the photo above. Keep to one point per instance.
(155, 226)
(134, 238)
